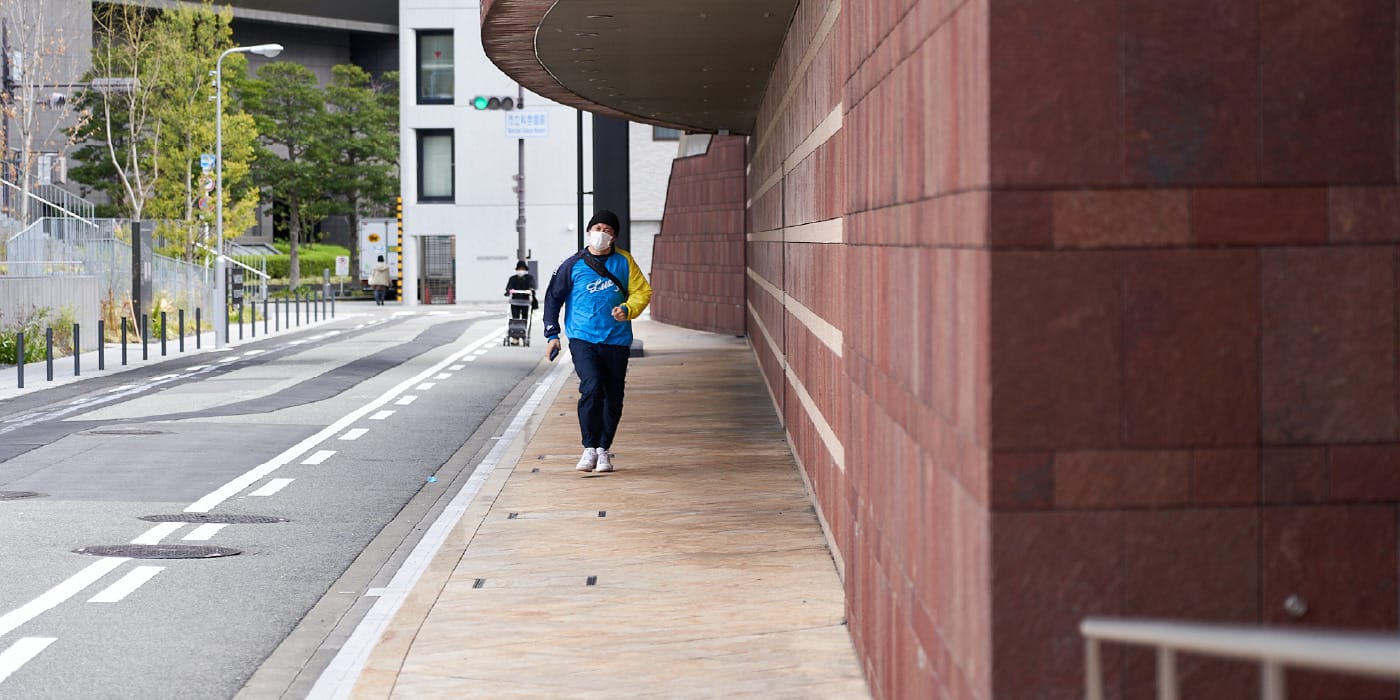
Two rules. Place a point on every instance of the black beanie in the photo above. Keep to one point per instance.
(520, 265)
(603, 216)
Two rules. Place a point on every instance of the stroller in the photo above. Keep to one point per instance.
(518, 333)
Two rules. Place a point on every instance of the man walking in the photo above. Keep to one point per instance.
(603, 290)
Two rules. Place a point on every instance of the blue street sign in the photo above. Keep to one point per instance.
(206, 161)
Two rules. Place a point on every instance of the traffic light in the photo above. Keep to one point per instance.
(483, 102)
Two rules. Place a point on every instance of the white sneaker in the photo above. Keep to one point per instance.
(604, 461)
(588, 460)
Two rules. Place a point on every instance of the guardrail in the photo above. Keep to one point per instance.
(1275, 649)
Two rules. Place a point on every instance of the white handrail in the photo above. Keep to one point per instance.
(259, 273)
(1359, 653)
(59, 207)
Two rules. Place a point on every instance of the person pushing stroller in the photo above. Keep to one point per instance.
(520, 288)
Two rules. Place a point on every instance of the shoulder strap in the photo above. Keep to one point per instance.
(598, 267)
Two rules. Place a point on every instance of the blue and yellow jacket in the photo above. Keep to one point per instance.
(590, 297)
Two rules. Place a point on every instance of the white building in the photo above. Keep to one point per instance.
(458, 166)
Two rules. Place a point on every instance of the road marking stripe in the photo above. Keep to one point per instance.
(469, 359)
(454, 368)
(252, 476)
(56, 595)
(158, 533)
(272, 487)
(481, 352)
(354, 434)
(205, 532)
(127, 584)
(340, 675)
(381, 415)
(22, 652)
(442, 376)
(424, 386)
(405, 400)
(320, 456)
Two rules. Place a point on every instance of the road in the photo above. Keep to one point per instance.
(327, 432)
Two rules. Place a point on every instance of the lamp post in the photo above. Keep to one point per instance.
(221, 314)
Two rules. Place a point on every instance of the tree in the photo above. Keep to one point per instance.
(38, 36)
(360, 147)
(288, 107)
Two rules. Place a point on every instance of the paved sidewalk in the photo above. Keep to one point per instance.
(698, 569)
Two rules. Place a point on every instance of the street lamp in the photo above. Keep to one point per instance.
(269, 51)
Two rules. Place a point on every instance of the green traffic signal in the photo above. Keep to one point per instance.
(482, 102)
(479, 102)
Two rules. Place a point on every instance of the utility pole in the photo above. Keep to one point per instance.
(520, 252)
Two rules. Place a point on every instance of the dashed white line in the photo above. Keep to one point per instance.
(354, 433)
(469, 359)
(251, 353)
(454, 368)
(158, 533)
(381, 415)
(272, 487)
(480, 352)
(320, 456)
(127, 584)
(442, 376)
(196, 368)
(56, 595)
(205, 532)
(424, 386)
(123, 387)
(405, 400)
(22, 652)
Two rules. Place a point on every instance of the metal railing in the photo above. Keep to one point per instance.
(1275, 649)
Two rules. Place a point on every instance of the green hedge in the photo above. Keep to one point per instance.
(312, 259)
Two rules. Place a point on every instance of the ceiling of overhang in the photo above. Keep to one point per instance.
(701, 64)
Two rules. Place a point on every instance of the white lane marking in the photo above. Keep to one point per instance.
(340, 675)
(320, 456)
(56, 595)
(454, 368)
(424, 386)
(163, 377)
(251, 353)
(196, 368)
(469, 359)
(158, 533)
(123, 387)
(481, 352)
(442, 376)
(354, 434)
(21, 652)
(205, 532)
(381, 415)
(239, 483)
(405, 400)
(127, 584)
(272, 487)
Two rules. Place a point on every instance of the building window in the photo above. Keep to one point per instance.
(661, 133)
(435, 66)
(435, 166)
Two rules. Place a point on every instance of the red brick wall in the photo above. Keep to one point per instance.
(698, 260)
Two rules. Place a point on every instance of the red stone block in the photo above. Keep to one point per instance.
(1049, 571)
(1294, 474)
(1191, 348)
(1341, 561)
(1122, 479)
(1364, 214)
(1117, 218)
(1225, 477)
(1191, 94)
(1259, 216)
(1364, 473)
(1198, 565)
(1055, 92)
(1327, 91)
(1328, 345)
(1018, 219)
(1055, 335)
(1022, 481)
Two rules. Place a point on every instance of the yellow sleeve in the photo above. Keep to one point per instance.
(639, 291)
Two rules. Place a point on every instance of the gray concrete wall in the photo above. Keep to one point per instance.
(20, 297)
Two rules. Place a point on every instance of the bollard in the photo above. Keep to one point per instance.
(101, 344)
(228, 323)
(264, 315)
(77, 352)
(333, 307)
(48, 352)
(315, 311)
(145, 337)
(182, 330)
(297, 293)
(253, 322)
(123, 341)
(198, 328)
(276, 316)
(162, 334)
(240, 320)
(19, 357)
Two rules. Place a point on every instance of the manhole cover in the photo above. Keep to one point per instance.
(16, 495)
(159, 551)
(126, 431)
(229, 518)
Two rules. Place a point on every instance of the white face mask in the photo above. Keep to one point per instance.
(599, 240)
(519, 273)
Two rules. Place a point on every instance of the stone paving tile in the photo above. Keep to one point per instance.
(712, 575)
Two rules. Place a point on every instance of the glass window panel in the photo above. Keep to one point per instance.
(435, 67)
(435, 166)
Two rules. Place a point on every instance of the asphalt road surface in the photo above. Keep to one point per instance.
(328, 431)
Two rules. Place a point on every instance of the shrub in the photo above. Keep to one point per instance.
(33, 324)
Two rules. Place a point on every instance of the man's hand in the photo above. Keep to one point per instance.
(552, 350)
(619, 313)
